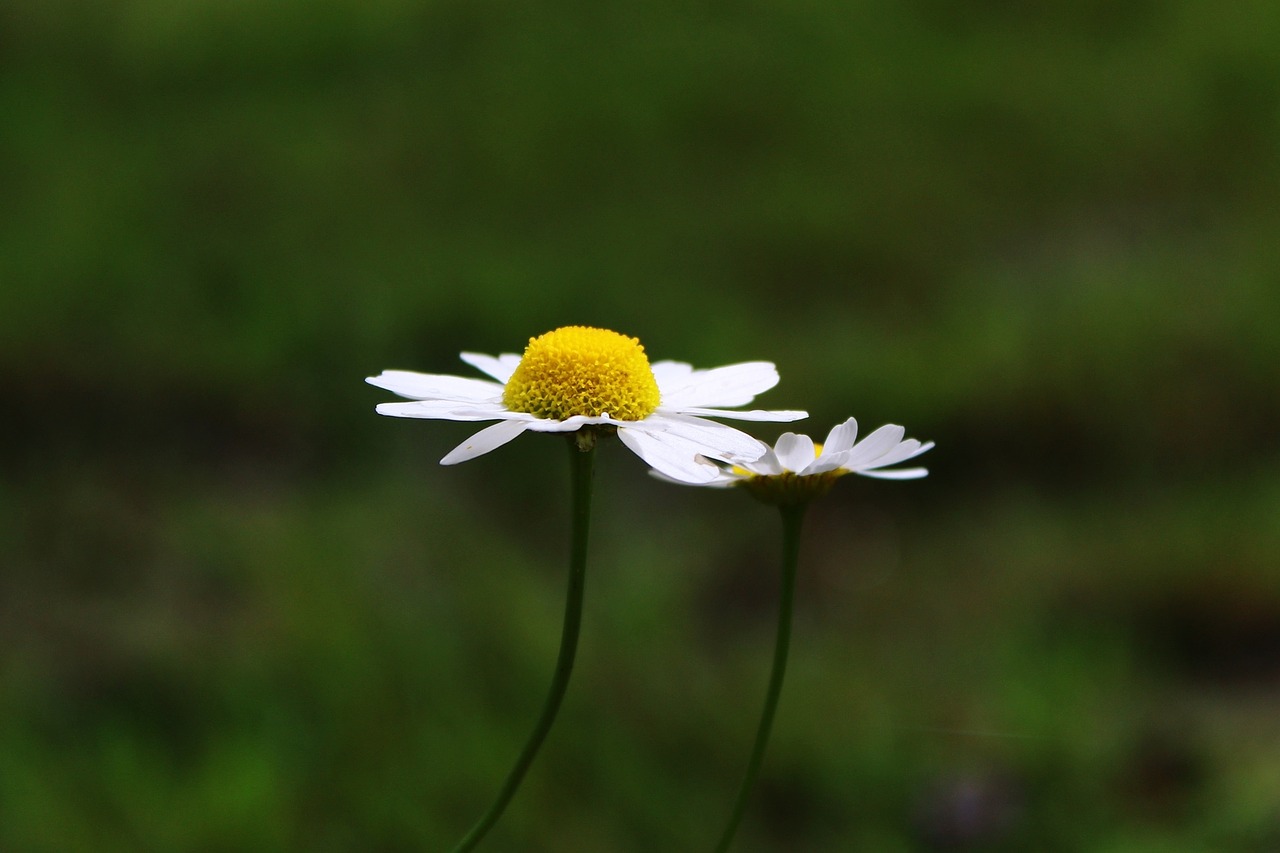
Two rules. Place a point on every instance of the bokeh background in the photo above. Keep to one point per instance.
(239, 611)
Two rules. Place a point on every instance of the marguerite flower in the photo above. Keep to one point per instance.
(796, 469)
(790, 475)
(576, 377)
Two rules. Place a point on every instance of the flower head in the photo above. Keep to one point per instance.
(578, 376)
(796, 469)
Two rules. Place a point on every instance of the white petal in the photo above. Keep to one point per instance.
(670, 371)
(721, 481)
(841, 437)
(908, 449)
(485, 440)
(446, 410)
(767, 465)
(719, 441)
(675, 456)
(500, 368)
(874, 446)
(570, 424)
(433, 386)
(898, 474)
(827, 462)
(774, 416)
(734, 385)
(795, 452)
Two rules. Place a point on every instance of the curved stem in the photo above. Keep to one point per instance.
(792, 516)
(582, 462)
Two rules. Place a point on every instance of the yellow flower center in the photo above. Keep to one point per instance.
(578, 370)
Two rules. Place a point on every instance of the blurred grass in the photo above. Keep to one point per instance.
(238, 611)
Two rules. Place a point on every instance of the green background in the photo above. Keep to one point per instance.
(239, 611)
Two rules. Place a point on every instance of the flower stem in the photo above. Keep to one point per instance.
(582, 459)
(792, 516)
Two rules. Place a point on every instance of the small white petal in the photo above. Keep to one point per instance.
(500, 368)
(795, 452)
(773, 416)
(827, 462)
(898, 474)
(733, 385)
(841, 437)
(433, 386)
(445, 410)
(908, 449)
(673, 455)
(767, 465)
(485, 440)
(570, 424)
(874, 446)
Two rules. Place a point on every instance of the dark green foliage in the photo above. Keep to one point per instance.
(240, 611)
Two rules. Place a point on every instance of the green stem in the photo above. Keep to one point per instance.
(582, 462)
(792, 516)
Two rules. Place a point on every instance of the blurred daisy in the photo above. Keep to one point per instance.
(578, 376)
(796, 469)
(789, 475)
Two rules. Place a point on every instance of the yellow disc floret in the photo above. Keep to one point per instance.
(578, 370)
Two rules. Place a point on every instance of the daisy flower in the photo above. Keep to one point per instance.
(796, 469)
(789, 475)
(578, 376)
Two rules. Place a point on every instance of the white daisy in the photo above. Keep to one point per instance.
(796, 469)
(577, 376)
